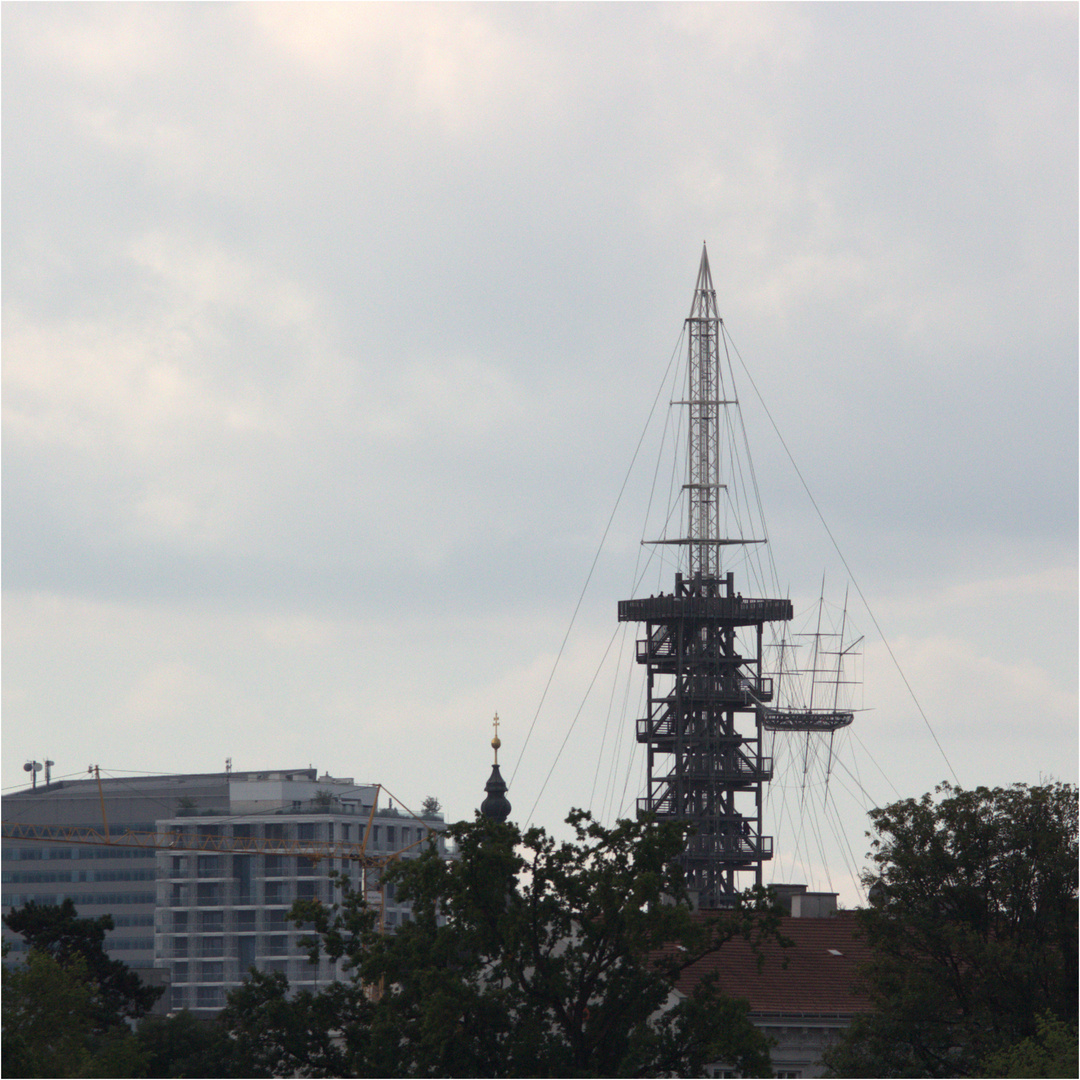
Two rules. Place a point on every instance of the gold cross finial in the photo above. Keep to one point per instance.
(496, 742)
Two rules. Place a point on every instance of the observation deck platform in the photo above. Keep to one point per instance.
(730, 610)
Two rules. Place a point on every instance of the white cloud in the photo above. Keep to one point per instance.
(1054, 582)
(996, 717)
(115, 46)
(178, 152)
(443, 401)
(455, 66)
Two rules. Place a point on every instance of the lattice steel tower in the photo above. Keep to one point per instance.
(702, 651)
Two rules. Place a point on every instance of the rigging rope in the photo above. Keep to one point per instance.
(592, 568)
(840, 554)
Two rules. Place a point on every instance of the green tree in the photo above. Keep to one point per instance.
(50, 1024)
(298, 1034)
(57, 931)
(48, 1017)
(1051, 1051)
(523, 957)
(973, 925)
(179, 1045)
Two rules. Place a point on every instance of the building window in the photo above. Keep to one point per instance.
(208, 893)
(209, 997)
(305, 830)
(276, 866)
(212, 971)
(213, 946)
(276, 892)
(242, 869)
(209, 866)
(180, 972)
(277, 945)
(245, 919)
(211, 920)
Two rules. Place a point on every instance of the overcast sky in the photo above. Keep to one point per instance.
(329, 333)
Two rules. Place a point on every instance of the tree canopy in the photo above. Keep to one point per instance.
(56, 931)
(973, 923)
(524, 956)
(66, 1010)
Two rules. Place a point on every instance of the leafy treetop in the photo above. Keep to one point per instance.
(973, 926)
(524, 956)
(57, 932)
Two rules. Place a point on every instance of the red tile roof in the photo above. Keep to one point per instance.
(819, 979)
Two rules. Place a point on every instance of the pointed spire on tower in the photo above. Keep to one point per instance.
(704, 302)
(496, 806)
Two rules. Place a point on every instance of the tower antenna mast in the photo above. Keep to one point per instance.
(703, 451)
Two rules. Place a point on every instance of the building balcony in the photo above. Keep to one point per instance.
(229, 894)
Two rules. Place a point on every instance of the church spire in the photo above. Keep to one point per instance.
(496, 806)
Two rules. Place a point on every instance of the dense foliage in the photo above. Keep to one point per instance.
(56, 931)
(973, 923)
(50, 1012)
(67, 1010)
(523, 957)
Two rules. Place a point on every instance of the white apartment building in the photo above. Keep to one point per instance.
(208, 900)
(221, 913)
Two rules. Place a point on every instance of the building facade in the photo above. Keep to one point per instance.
(206, 897)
